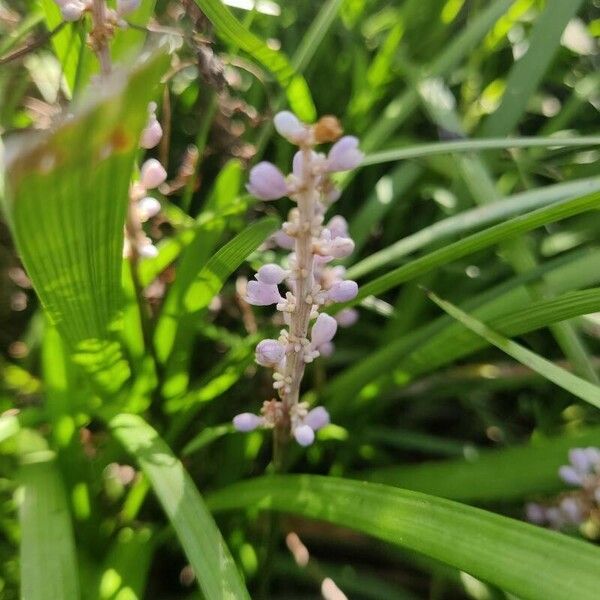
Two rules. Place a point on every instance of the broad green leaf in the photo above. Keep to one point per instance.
(420, 150)
(232, 31)
(491, 475)
(48, 560)
(76, 177)
(206, 437)
(478, 241)
(196, 530)
(474, 218)
(527, 72)
(576, 385)
(496, 549)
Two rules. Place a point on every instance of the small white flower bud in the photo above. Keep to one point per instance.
(343, 291)
(147, 250)
(247, 422)
(152, 174)
(323, 330)
(72, 11)
(271, 274)
(290, 127)
(151, 134)
(269, 353)
(304, 435)
(317, 418)
(148, 207)
(267, 182)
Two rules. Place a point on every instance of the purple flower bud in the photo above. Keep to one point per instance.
(147, 250)
(323, 330)
(347, 317)
(124, 7)
(262, 294)
(290, 127)
(535, 513)
(340, 247)
(269, 353)
(579, 458)
(571, 510)
(555, 518)
(569, 475)
(326, 349)
(317, 418)
(72, 11)
(152, 134)
(304, 435)
(247, 422)
(338, 227)
(271, 274)
(593, 455)
(267, 182)
(152, 174)
(344, 154)
(333, 195)
(283, 240)
(343, 291)
(148, 207)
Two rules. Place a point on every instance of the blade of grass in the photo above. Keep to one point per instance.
(575, 385)
(491, 475)
(491, 547)
(196, 530)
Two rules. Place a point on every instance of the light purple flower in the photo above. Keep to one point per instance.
(347, 317)
(151, 134)
(283, 240)
(72, 11)
(271, 274)
(269, 353)
(247, 421)
(148, 207)
(262, 294)
(304, 435)
(124, 7)
(340, 247)
(267, 182)
(152, 174)
(326, 349)
(290, 127)
(317, 418)
(338, 227)
(323, 330)
(580, 459)
(535, 513)
(344, 154)
(343, 291)
(569, 475)
(571, 510)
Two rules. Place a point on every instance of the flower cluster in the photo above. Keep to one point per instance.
(311, 281)
(579, 507)
(73, 10)
(141, 205)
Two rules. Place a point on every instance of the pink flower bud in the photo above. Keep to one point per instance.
(340, 247)
(338, 227)
(152, 174)
(72, 11)
(326, 349)
(570, 475)
(148, 207)
(304, 435)
(344, 154)
(247, 422)
(317, 418)
(152, 134)
(323, 330)
(290, 127)
(124, 7)
(147, 250)
(283, 240)
(347, 317)
(343, 291)
(262, 294)
(269, 353)
(267, 182)
(578, 457)
(271, 274)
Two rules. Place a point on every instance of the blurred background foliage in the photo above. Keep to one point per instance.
(417, 400)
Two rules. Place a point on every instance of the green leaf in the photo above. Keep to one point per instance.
(48, 561)
(196, 530)
(527, 72)
(420, 150)
(232, 31)
(468, 220)
(488, 546)
(66, 197)
(490, 475)
(478, 241)
(576, 385)
(9, 426)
